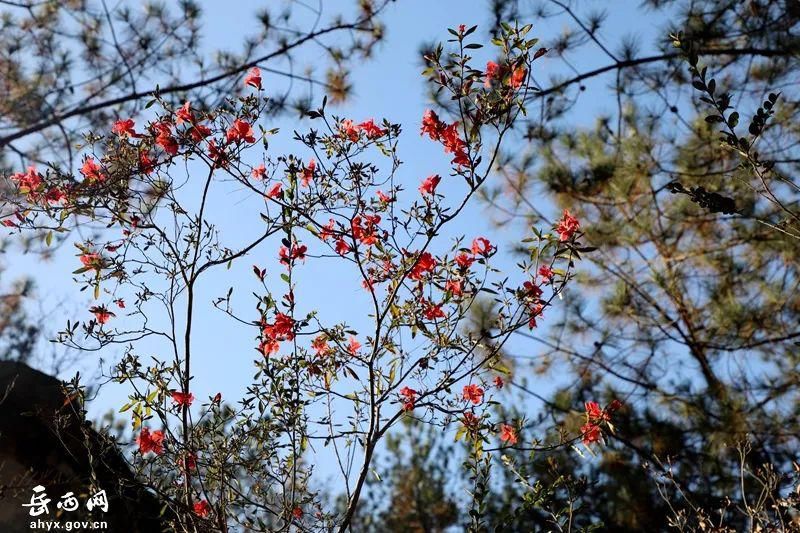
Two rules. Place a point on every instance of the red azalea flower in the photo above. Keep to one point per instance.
(471, 421)
(353, 346)
(454, 287)
(150, 442)
(371, 130)
(429, 185)
(91, 170)
(259, 172)
(464, 260)
(432, 311)
(184, 114)
(535, 312)
(473, 393)
(365, 229)
(383, 197)
(253, 78)
(182, 398)
(508, 434)
(342, 247)
(146, 164)
(168, 144)
(120, 303)
(349, 130)
(308, 173)
(498, 382)
(287, 256)
(327, 230)
(482, 246)
(591, 433)
(567, 226)
(431, 125)
(92, 260)
(593, 412)
(55, 195)
(27, 182)
(275, 191)
(409, 397)
(202, 508)
(282, 329)
(492, 70)
(269, 347)
(124, 127)
(164, 137)
(531, 290)
(320, 345)
(297, 513)
(240, 131)
(425, 265)
(102, 314)
(546, 272)
(218, 156)
(518, 76)
(199, 132)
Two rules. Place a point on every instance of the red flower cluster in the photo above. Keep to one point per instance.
(253, 78)
(28, 182)
(447, 134)
(182, 398)
(567, 226)
(101, 313)
(184, 114)
(595, 417)
(202, 508)
(124, 128)
(428, 186)
(164, 137)
(431, 311)
(320, 345)
(353, 131)
(92, 260)
(240, 131)
(508, 434)
(91, 170)
(287, 256)
(495, 72)
(150, 442)
(308, 173)
(491, 74)
(482, 246)
(280, 330)
(409, 397)
(259, 172)
(353, 346)
(365, 228)
(424, 266)
(473, 393)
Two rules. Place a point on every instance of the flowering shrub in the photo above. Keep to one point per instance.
(317, 381)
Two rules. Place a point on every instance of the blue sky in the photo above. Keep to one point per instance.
(387, 86)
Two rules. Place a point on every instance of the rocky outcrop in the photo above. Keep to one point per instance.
(45, 442)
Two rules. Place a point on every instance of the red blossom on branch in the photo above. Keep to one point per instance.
(150, 441)
(253, 78)
(473, 393)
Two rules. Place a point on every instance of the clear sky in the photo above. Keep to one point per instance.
(388, 86)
